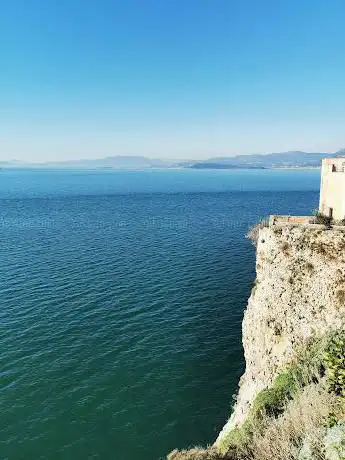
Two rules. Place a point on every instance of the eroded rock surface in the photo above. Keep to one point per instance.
(299, 292)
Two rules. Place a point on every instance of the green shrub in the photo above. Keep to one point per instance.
(272, 401)
(308, 367)
(335, 364)
(237, 437)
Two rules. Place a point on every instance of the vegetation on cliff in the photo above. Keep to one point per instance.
(301, 416)
(290, 403)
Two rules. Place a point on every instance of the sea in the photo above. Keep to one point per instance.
(121, 300)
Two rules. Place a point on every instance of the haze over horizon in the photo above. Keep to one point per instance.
(186, 80)
(173, 160)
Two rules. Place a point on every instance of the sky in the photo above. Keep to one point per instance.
(170, 78)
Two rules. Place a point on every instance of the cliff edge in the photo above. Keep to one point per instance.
(299, 293)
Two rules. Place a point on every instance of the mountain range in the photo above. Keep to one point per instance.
(294, 159)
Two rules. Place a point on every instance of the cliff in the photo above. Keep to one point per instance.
(299, 293)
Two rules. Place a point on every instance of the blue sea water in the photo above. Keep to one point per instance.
(122, 295)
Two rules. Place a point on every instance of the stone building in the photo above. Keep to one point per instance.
(332, 190)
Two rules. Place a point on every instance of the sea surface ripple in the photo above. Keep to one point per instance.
(121, 311)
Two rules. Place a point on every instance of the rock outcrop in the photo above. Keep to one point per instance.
(299, 292)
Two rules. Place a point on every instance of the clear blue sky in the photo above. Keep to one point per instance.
(170, 78)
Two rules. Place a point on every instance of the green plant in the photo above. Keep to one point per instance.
(272, 401)
(333, 419)
(335, 364)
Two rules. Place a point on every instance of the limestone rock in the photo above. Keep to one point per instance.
(299, 292)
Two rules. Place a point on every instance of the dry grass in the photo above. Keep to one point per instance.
(197, 453)
(304, 419)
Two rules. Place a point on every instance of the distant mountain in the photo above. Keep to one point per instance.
(220, 165)
(293, 159)
(115, 162)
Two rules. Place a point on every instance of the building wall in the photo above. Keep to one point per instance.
(332, 190)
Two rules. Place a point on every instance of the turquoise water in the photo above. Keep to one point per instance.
(122, 296)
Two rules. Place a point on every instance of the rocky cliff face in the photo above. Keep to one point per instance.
(299, 291)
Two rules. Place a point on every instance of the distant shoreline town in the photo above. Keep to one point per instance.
(283, 160)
